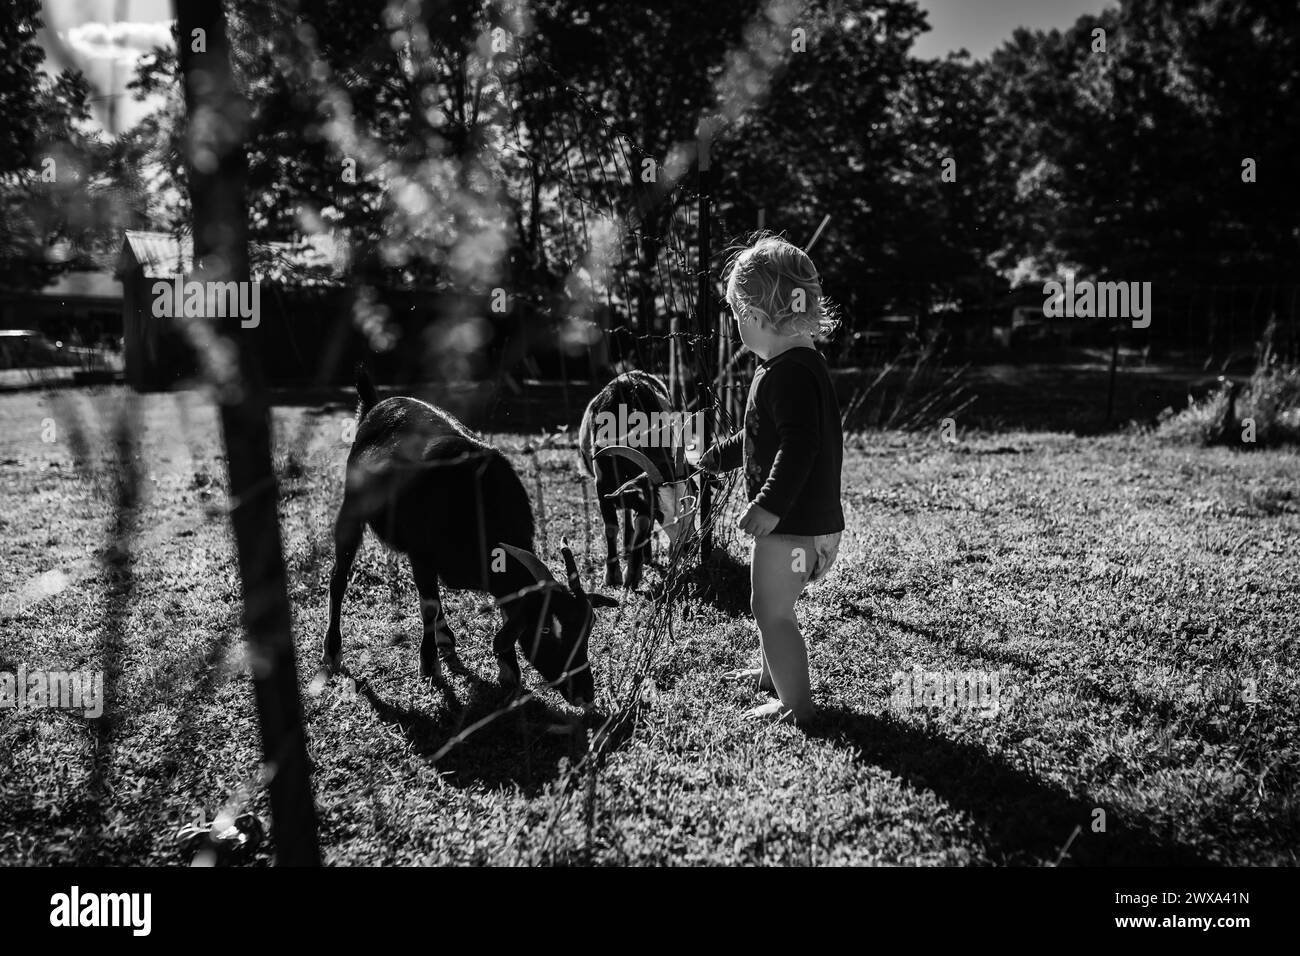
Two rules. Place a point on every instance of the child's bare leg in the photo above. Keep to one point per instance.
(778, 574)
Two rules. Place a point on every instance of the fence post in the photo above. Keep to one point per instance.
(1114, 366)
(704, 352)
(219, 204)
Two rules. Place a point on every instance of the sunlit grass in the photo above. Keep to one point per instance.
(1138, 602)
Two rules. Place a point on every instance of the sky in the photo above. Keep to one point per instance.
(981, 25)
(105, 38)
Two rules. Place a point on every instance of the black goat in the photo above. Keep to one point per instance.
(633, 444)
(431, 489)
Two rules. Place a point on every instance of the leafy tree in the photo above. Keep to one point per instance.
(50, 199)
(1129, 161)
(372, 122)
(828, 141)
(944, 190)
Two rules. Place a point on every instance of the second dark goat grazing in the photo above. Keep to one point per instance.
(431, 489)
(634, 445)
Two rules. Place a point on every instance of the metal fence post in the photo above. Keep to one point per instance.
(219, 204)
(705, 349)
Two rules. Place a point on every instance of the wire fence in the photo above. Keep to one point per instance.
(615, 263)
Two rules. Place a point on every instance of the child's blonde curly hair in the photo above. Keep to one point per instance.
(772, 278)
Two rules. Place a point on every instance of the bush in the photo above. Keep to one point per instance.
(1273, 400)
(1270, 399)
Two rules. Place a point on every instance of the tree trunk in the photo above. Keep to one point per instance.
(218, 171)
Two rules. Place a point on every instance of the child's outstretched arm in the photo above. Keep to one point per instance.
(725, 455)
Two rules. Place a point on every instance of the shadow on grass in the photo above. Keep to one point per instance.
(517, 748)
(964, 647)
(90, 807)
(722, 582)
(120, 583)
(1025, 820)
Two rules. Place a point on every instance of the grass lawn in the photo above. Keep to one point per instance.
(1137, 603)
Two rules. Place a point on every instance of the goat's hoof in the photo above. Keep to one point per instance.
(449, 657)
(431, 670)
(613, 575)
(509, 677)
(331, 664)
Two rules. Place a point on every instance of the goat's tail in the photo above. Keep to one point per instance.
(367, 397)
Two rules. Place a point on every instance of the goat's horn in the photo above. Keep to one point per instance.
(529, 560)
(637, 458)
(626, 487)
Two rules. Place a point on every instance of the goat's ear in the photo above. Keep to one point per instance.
(600, 600)
(571, 568)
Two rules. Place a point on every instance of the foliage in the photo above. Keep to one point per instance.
(53, 194)
(1269, 401)
(912, 391)
(1130, 161)
(366, 121)
(828, 140)
(1126, 162)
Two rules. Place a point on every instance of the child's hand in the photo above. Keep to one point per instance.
(757, 521)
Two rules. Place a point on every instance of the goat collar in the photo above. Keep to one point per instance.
(640, 459)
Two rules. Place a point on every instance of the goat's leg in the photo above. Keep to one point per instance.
(504, 645)
(347, 540)
(636, 532)
(647, 536)
(644, 532)
(631, 553)
(438, 639)
(609, 515)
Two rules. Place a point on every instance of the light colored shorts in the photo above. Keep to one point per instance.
(828, 549)
(810, 557)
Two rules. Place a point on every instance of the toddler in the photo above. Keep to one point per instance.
(791, 448)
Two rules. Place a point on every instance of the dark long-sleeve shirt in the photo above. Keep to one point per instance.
(791, 446)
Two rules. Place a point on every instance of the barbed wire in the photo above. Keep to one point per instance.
(597, 186)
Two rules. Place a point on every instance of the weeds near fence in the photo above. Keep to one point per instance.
(912, 391)
(631, 687)
(1264, 411)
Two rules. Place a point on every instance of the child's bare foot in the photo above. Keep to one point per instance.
(774, 708)
(746, 674)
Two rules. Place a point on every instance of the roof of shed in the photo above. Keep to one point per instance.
(84, 284)
(163, 255)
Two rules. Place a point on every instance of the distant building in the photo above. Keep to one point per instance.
(78, 308)
(314, 326)
(298, 281)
